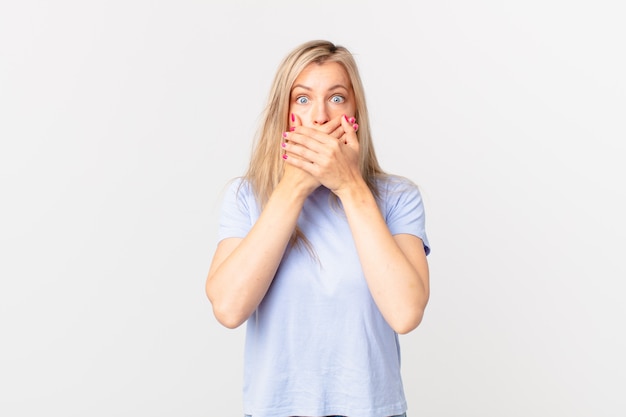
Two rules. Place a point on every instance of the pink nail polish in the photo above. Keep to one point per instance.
(346, 117)
(284, 134)
(292, 128)
(356, 127)
(285, 156)
(293, 117)
(283, 144)
(352, 120)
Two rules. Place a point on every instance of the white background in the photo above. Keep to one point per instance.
(121, 121)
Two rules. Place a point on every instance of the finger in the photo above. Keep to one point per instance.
(298, 152)
(331, 126)
(331, 131)
(338, 132)
(295, 125)
(350, 127)
(308, 136)
(294, 121)
(352, 121)
(291, 155)
(294, 161)
(305, 146)
(295, 144)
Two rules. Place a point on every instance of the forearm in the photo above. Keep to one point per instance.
(398, 283)
(239, 277)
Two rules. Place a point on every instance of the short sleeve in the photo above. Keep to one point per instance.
(237, 211)
(404, 209)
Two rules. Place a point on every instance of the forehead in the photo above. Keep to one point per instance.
(321, 76)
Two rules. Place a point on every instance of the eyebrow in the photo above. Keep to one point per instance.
(334, 87)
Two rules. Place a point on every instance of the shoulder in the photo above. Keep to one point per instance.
(398, 196)
(238, 189)
(391, 187)
(237, 185)
(401, 204)
(238, 193)
(239, 209)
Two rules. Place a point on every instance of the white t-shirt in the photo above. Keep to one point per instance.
(317, 345)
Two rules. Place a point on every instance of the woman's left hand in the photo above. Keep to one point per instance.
(333, 162)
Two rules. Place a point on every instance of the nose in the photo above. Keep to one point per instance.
(320, 114)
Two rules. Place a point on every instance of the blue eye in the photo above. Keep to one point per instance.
(302, 100)
(337, 99)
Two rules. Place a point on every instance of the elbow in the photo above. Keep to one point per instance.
(407, 323)
(227, 315)
(227, 318)
(410, 316)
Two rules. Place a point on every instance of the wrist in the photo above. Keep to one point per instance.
(295, 190)
(357, 192)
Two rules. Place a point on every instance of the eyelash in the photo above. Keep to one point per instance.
(342, 99)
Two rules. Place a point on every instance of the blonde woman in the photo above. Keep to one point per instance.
(320, 252)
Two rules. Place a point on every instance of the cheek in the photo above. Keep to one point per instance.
(300, 116)
(351, 110)
(338, 111)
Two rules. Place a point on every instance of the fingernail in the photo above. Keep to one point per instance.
(284, 156)
(283, 144)
(292, 128)
(346, 117)
(284, 134)
(352, 120)
(355, 126)
(293, 117)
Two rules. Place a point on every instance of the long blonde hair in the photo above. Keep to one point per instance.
(266, 165)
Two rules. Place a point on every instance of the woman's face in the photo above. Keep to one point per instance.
(322, 92)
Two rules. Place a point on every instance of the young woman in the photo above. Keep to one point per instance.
(320, 252)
